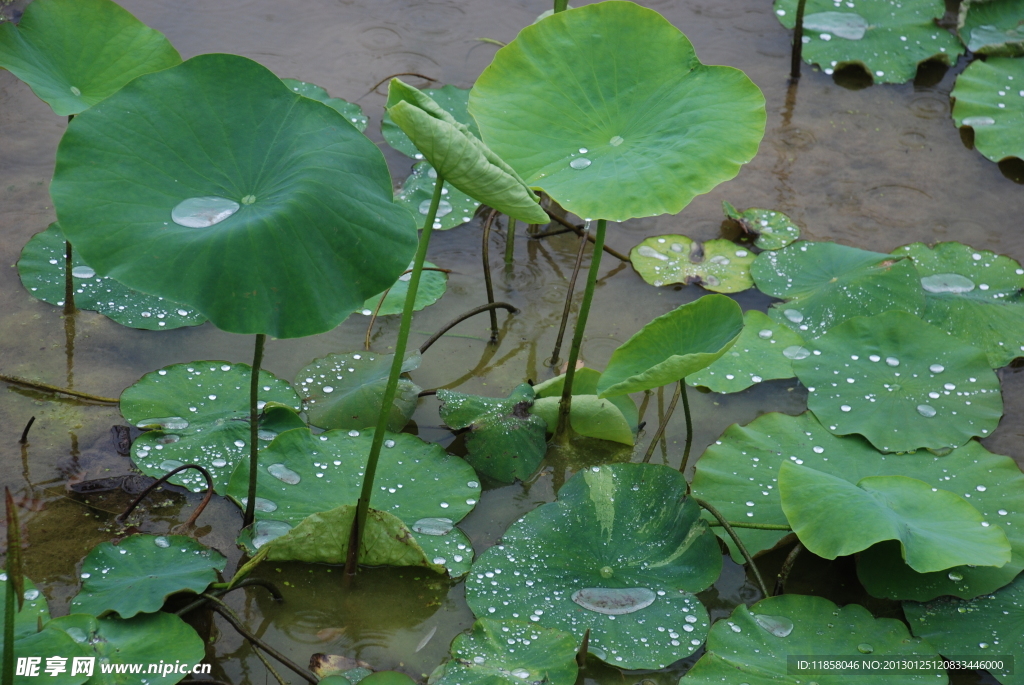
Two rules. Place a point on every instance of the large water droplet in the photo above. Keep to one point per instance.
(444, 208)
(779, 626)
(607, 572)
(83, 272)
(947, 283)
(75, 91)
(203, 212)
(977, 121)
(614, 601)
(433, 526)
(796, 352)
(580, 163)
(793, 315)
(865, 648)
(262, 504)
(926, 410)
(284, 474)
(955, 576)
(161, 542)
(266, 531)
(647, 251)
(764, 334)
(616, 141)
(842, 24)
(936, 368)
(171, 423)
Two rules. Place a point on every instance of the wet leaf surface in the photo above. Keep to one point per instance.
(987, 98)
(432, 286)
(454, 209)
(773, 230)
(993, 27)
(604, 418)
(720, 266)
(352, 112)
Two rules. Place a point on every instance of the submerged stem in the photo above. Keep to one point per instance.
(568, 296)
(254, 427)
(462, 317)
(486, 251)
(739, 543)
(362, 507)
(510, 241)
(69, 281)
(798, 41)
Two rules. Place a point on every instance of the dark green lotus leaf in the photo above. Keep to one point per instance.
(144, 639)
(993, 27)
(139, 573)
(673, 346)
(987, 98)
(508, 653)
(33, 609)
(42, 272)
(936, 528)
(717, 265)
(638, 130)
(459, 156)
(200, 415)
(505, 440)
(825, 284)
(264, 210)
(345, 390)
(604, 418)
(753, 644)
(764, 351)
(974, 295)
(352, 112)
(888, 39)
(739, 474)
(74, 53)
(454, 209)
(901, 383)
(433, 285)
(619, 554)
(45, 644)
(451, 99)
(772, 230)
(989, 625)
(388, 678)
(301, 474)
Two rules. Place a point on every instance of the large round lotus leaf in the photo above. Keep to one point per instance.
(887, 37)
(825, 284)
(505, 440)
(200, 412)
(352, 112)
(458, 155)
(454, 209)
(605, 418)
(901, 383)
(773, 230)
(739, 474)
(74, 53)
(346, 390)
(988, 99)
(301, 474)
(718, 265)
(753, 644)
(433, 285)
(507, 653)
(936, 528)
(45, 644)
(33, 608)
(140, 572)
(974, 295)
(619, 554)
(265, 210)
(985, 627)
(673, 346)
(993, 27)
(451, 99)
(42, 271)
(145, 639)
(764, 351)
(607, 109)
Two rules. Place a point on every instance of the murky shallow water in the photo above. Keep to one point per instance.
(874, 168)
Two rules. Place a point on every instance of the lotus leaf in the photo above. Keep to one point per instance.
(635, 131)
(974, 295)
(936, 528)
(987, 98)
(301, 474)
(33, 609)
(306, 227)
(764, 351)
(74, 53)
(887, 37)
(773, 230)
(753, 644)
(42, 271)
(717, 265)
(433, 284)
(451, 99)
(673, 346)
(739, 473)
(825, 284)
(139, 573)
(619, 554)
(506, 441)
(993, 27)
(335, 680)
(459, 156)
(612, 418)
(352, 112)
(200, 413)
(454, 209)
(901, 383)
(346, 390)
(992, 624)
(507, 653)
(388, 678)
(144, 639)
(45, 644)
(585, 383)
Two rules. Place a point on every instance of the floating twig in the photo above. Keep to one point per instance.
(492, 42)
(46, 387)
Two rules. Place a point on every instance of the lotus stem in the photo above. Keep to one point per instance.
(643, 406)
(565, 405)
(380, 303)
(578, 230)
(163, 479)
(384, 80)
(689, 427)
(269, 667)
(69, 281)
(254, 427)
(581, 655)
(221, 591)
(24, 434)
(755, 526)
(486, 252)
(46, 387)
(15, 586)
(560, 5)
(510, 241)
(462, 317)
(568, 297)
(664, 424)
(363, 505)
(798, 41)
(739, 543)
(787, 568)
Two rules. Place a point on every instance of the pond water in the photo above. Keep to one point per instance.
(875, 168)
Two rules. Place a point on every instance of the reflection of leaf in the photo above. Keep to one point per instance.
(717, 265)
(987, 99)
(353, 113)
(773, 230)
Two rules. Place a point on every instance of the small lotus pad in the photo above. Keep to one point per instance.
(717, 265)
(773, 230)
(353, 113)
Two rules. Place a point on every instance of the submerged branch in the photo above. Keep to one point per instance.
(46, 387)
(459, 319)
